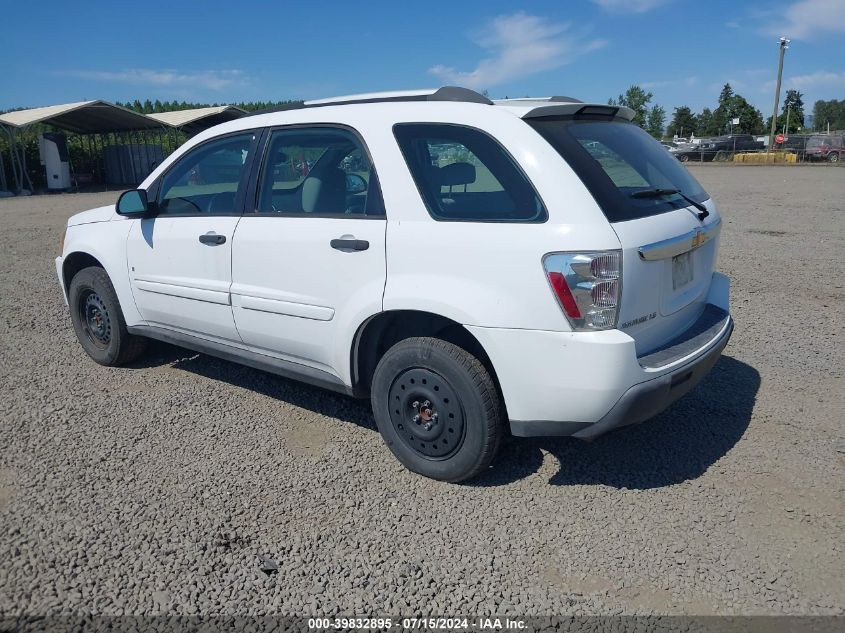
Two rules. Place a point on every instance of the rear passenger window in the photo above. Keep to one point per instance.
(464, 174)
(320, 171)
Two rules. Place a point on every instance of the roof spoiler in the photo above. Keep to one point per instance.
(579, 109)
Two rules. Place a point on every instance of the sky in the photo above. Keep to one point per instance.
(683, 51)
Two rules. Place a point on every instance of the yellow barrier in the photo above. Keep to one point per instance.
(766, 158)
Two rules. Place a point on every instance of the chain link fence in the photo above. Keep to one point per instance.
(828, 148)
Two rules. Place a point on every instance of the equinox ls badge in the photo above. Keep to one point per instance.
(638, 320)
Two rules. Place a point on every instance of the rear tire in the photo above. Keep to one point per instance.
(833, 157)
(437, 409)
(98, 320)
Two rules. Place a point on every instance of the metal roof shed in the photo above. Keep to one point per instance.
(198, 119)
(82, 117)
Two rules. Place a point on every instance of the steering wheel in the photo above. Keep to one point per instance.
(196, 207)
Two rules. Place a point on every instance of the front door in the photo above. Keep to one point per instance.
(180, 260)
(309, 262)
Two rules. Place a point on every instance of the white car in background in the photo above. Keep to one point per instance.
(537, 265)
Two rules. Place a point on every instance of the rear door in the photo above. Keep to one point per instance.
(651, 200)
(309, 256)
(180, 260)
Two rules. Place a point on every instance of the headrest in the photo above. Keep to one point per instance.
(455, 174)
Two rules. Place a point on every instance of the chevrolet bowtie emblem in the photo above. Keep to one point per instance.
(698, 239)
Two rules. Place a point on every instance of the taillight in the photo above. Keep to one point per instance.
(588, 287)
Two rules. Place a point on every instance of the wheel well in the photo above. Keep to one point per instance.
(386, 329)
(74, 263)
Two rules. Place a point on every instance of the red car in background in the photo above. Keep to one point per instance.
(829, 147)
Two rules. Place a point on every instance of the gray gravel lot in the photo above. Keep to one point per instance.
(155, 488)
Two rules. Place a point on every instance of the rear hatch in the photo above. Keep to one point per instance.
(666, 224)
(667, 265)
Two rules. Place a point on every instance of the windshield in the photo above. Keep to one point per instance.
(616, 160)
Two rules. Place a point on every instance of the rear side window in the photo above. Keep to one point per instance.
(621, 165)
(319, 171)
(465, 175)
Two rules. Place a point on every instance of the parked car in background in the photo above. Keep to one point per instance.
(551, 273)
(718, 148)
(731, 143)
(829, 147)
(688, 152)
(795, 144)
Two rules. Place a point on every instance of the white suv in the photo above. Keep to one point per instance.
(541, 264)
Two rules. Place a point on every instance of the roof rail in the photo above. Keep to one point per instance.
(445, 93)
(554, 99)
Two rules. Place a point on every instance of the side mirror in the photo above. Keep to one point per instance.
(133, 203)
(355, 184)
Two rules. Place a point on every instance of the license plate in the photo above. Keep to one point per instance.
(681, 270)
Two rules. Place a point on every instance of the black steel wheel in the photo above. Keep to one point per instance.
(426, 413)
(94, 316)
(437, 408)
(98, 320)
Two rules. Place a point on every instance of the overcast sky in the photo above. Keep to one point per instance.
(681, 50)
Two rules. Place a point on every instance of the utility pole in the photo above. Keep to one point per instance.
(784, 44)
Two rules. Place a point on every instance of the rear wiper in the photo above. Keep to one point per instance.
(659, 193)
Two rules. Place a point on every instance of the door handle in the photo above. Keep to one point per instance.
(213, 239)
(349, 245)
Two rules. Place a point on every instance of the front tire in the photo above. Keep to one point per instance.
(98, 320)
(437, 409)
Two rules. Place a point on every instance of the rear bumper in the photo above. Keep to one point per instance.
(586, 384)
(647, 399)
(640, 402)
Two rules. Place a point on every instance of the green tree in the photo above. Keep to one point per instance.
(637, 99)
(732, 106)
(723, 112)
(705, 124)
(656, 120)
(793, 109)
(794, 105)
(682, 123)
(829, 113)
(750, 118)
(726, 95)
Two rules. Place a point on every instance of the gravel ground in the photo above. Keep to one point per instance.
(156, 488)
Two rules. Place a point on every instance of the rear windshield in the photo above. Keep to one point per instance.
(616, 159)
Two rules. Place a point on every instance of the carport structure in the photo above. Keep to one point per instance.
(198, 119)
(96, 120)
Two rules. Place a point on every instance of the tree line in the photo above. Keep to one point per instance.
(829, 113)
(731, 106)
